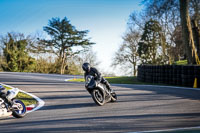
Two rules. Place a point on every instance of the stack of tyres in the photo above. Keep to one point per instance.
(198, 77)
(163, 74)
(148, 74)
(191, 76)
(157, 73)
(171, 74)
(174, 75)
(144, 73)
(167, 74)
(160, 78)
(154, 74)
(139, 77)
(197, 74)
(184, 75)
(179, 71)
(151, 74)
(141, 73)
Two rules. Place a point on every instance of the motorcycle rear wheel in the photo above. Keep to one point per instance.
(113, 97)
(98, 97)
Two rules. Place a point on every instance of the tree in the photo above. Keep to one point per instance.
(187, 30)
(177, 52)
(16, 54)
(152, 46)
(78, 60)
(166, 12)
(89, 56)
(45, 60)
(64, 37)
(127, 53)
(180, 11)
(194, 10)
(1, 58)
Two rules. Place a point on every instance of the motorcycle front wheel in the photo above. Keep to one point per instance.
(19, 109)
(98, 97)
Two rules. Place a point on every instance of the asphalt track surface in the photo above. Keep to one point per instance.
(69, 108)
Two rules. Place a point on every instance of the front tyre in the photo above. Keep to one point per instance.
(19, 109)
(98, 97)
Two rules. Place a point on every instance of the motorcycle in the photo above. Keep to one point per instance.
(99, 91)
(17, 109)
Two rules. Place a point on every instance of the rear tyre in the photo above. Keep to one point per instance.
(98, 97)
(20, 112)
(113, 97)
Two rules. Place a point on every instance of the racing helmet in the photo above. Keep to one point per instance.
(86, 67)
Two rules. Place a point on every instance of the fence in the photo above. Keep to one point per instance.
(181, 75)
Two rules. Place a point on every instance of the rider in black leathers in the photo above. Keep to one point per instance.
(97, 75)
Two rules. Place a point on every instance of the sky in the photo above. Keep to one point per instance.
(106, 21)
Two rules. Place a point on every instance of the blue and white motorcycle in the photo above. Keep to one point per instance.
(17, 109)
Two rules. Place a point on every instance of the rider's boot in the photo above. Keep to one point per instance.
(109, 88)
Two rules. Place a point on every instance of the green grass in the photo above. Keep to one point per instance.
(8, 88)
(181, 62)
(123, 80)
(25, 98)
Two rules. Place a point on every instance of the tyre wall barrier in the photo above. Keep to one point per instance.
(182, 75)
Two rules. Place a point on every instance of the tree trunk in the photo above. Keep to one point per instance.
(196, 34)
(187, 31)
(63, 58)
(62, 69)
(134, 69)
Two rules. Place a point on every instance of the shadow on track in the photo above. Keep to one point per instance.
(69, 106)
(83, 123)
(157, 90)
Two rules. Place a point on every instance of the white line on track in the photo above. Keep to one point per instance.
(68, 79)
(40, 102)
(168, 130)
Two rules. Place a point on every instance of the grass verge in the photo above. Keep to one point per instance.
(122, 80)
(26, 99)
(116, 80)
